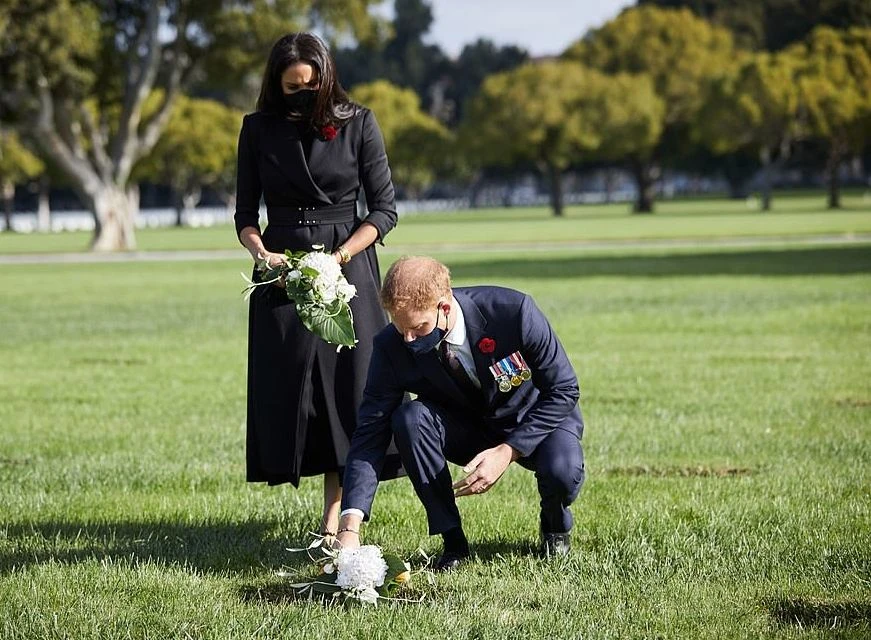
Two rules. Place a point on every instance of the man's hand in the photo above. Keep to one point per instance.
(349, 532)
(485, 469)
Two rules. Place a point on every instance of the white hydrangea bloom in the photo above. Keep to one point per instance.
(368, 595)
(361, 568)
(330, 282)
(346, 291)
(323, 263)
(326, 288)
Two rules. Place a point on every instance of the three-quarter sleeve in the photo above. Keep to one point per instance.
(248, 187)
(375, 177)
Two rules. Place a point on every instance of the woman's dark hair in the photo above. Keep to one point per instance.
(332, 105)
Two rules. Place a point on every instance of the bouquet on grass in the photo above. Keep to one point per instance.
(365, 574)
(315, 282)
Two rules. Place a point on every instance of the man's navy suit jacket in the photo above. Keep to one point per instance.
(522, 417)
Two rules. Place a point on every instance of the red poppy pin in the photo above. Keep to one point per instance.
(487, 345)
(328, 132)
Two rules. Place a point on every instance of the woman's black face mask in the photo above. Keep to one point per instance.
(302, 101)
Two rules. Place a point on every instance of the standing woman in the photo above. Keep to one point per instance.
(308, 150)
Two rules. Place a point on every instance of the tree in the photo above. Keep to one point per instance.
(475, 62)
(403, 59)
(417, 144)
(17, 164)
(196, 150)
(774, 24)
(557, 113)
(755, 109)
(835, 94)
(680, 53)
(80, 72)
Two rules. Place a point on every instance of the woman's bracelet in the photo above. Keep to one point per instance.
(344, 529)
(344, 254)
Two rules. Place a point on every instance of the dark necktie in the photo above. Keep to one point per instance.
(456, 370)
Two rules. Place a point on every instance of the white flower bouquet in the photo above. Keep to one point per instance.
(315, 282)
(364, 574)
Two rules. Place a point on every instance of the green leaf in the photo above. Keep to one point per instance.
(333, 328)
(395, 566)
(295, 290)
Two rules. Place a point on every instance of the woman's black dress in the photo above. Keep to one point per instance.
(303, 394)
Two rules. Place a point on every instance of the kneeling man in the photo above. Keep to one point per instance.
(493, 386)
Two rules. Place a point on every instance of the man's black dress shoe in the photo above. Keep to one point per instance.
(449, 560)
(555, 544)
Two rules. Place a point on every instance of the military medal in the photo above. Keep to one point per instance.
(523, 368)
(510, 372)
(513, 373)
(502, 378)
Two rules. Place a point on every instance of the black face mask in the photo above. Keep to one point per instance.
(425, 344)
(302, 101)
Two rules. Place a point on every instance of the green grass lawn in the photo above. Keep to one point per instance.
(676, 219)
(727, 395)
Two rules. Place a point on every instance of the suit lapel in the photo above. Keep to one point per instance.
(432, 369)
(476, 328)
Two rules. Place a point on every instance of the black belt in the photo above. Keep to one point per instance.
(307, 216)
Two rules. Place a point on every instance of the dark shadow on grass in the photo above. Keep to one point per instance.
(789, 262)
(210, 548)
(498, 548)
(281, 593)
(820, 614)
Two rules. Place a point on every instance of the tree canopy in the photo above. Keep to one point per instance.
(557, 113)
(835, 93)
(417, 144)
(680, 54)
(197, 149)
(774, 24)
(756, 109)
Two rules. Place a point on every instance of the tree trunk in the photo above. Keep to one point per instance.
(645, 174)
(765, 159)
(610, 180)
(114, 212)
(185, 199)
(43, 210)
(8, 203)
(178, 205)
(832, 168)
(229, 200)
(555, 177)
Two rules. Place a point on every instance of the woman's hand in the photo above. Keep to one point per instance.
(270, 259)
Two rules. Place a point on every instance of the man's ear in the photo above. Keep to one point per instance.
(446, 305)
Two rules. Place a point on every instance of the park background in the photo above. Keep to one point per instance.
(683, 189)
